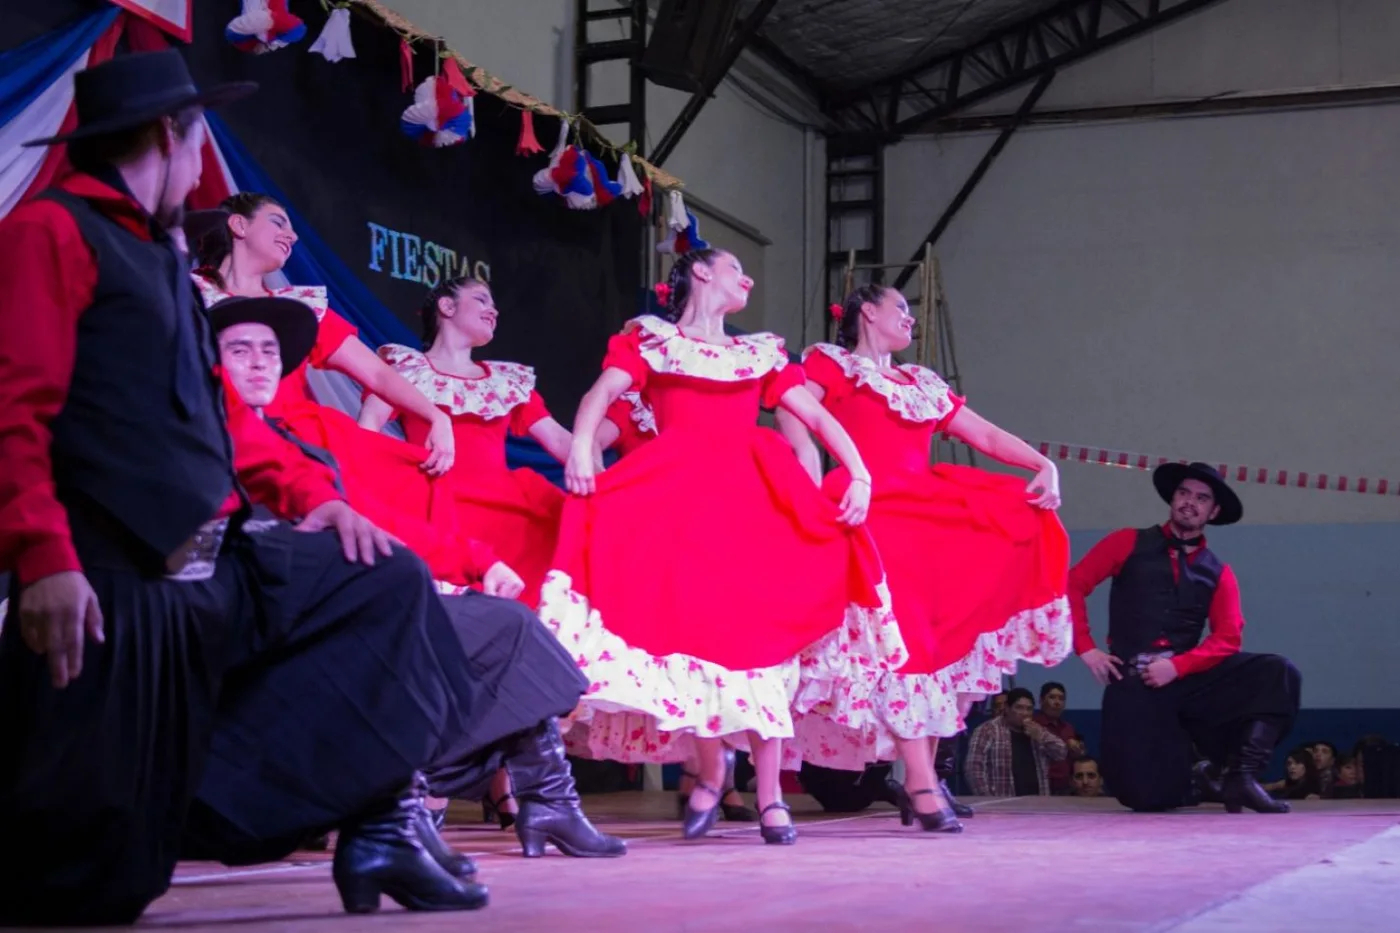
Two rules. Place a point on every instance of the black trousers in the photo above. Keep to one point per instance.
(1148, 732)
(230, 717)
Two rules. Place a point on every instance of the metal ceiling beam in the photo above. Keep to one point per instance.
(970, 185)
(912, 101)
(744, 31)
(765, 49)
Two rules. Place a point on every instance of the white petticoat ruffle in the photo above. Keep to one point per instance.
(644, 708)
(1044, 635)
(853, 703)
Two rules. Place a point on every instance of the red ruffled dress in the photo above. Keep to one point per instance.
(516, 512)
(635, 422)
(707, 585)
(978, 575)
(371, 464)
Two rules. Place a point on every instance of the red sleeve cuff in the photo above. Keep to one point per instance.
(56, 555)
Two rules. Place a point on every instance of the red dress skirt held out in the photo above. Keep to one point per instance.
(977, 574)
(371, 464)
(707, 585)
(516, 512)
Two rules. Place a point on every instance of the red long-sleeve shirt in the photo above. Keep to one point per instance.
(49, 275)
(1107, 557)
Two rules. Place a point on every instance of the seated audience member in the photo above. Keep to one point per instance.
(1010, 754)
(1086, 778)
(1349, 780)
(1051, 716)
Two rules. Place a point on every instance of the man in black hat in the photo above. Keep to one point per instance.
(527, 676)
(151, 640)
(1166, 686)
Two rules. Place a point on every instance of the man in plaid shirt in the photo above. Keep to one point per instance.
(1010, 755)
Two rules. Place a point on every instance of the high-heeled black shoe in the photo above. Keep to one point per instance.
(491, 811)
(733, 812)
(957, 806)
(942, 820)
(550, 811)
(785, 835)
(696, 823)
(381, 853)
(683, 799)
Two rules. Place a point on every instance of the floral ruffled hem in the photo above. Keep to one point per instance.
(644, 708)
(1042, 636)
(848, 737)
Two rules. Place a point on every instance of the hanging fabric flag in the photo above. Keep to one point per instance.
(334, 42)
(439, 116)
(529, 144)
(264, 26)
(567, 174)
(605, 190)
(684, 228)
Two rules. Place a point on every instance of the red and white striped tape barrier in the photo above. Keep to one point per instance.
(1261, 476)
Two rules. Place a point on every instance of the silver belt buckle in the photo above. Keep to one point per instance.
(195, 559)
(1141, 661)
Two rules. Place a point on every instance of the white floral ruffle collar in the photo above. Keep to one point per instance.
(313, 296)
(641, 414)
(505, 387)
(926, 397)
(668, 351)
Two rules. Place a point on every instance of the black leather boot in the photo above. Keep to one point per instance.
(1240, 787)
(1206, 779)
(549, 802)
(381, 853)
(945, 765)
(453, 862)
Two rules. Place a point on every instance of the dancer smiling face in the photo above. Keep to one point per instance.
(875, 322)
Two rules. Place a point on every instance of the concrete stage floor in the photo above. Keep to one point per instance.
(1025, 865)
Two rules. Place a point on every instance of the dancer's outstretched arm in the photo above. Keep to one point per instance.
(803, 405)
(580, 467)
(979, 433)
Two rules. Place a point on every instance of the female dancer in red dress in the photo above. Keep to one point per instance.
(698, 574)
(249, 237)
(514, 511)
(977, 562)
(629, 424)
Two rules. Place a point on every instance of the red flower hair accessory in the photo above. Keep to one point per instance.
(663, 293)
(837, 312)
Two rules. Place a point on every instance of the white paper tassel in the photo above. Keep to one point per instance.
(334, 42)
(676, 217)
(627, 177)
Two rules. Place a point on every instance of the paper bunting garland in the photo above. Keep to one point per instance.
(440, 115)
(334, 42)
(264, 26)
(684, 228)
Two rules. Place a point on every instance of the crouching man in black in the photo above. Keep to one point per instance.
(168, 680)
(1166, 687)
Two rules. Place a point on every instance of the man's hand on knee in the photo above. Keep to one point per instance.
(360, 538)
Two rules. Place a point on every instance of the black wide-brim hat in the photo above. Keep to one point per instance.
(1168, 477)
(292, 321)
(128, 91)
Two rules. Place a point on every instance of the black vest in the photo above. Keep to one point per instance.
(136, 467)
(1148, 610)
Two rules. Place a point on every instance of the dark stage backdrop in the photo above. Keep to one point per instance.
(400, 215)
